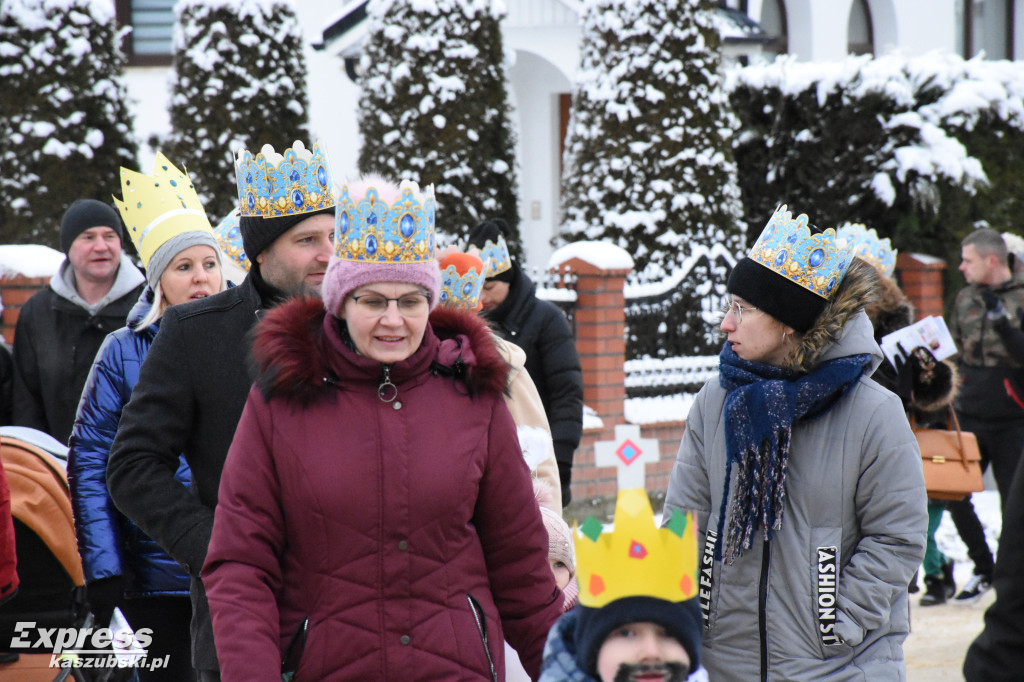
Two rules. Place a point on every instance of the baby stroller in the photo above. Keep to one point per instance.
(52, 589)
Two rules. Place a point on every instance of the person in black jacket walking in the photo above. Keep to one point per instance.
(195, 380)
(539, 327)
(62, 326)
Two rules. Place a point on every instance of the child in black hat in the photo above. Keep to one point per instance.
(638, 616)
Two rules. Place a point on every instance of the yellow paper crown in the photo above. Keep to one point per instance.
(636, 559)
(158, 207)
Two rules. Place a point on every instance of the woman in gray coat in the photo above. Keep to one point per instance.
(805, 474)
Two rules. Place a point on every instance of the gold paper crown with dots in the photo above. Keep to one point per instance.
(159, 206)
(636, 559)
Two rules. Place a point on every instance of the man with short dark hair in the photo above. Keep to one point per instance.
(195, 380)
(987, 324)
(62, 326)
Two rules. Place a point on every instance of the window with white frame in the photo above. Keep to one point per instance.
(152, 24)
(985, 26)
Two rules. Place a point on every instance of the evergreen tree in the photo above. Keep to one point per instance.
(65, 129)
(921, 150)
(434, 107)
(239, 81)
(649, 163)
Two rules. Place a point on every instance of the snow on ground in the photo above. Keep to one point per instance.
(986, 505)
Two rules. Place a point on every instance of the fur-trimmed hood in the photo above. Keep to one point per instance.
(303, 354)
(891, 310)
(931, 388)
(843, 329)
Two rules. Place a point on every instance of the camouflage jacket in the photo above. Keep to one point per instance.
(991, 351)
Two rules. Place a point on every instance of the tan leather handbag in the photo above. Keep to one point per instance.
(951, 460)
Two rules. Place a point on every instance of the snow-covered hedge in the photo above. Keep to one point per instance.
(649, 163)
(239, 81)
(434, 106)
(65, 129)
(923, 149)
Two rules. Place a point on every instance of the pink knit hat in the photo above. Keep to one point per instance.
(382, 233)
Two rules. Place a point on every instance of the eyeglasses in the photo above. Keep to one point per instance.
(409, 305)
(737, 310)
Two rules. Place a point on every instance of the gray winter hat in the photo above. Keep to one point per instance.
(163, 256)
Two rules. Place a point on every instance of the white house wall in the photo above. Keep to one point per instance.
(535, 88)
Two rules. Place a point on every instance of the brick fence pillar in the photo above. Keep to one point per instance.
(600, 317)
(600, 337)
(15, 292)
(920, 277)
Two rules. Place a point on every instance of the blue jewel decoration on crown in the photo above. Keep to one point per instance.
(864, 243)
(230, 239)
(461, 291)
(271, 185)
(817, 262)
(495, 257)
(368, 230)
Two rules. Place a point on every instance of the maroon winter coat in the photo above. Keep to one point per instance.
(386, 524)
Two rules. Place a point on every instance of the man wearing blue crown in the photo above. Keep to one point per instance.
(194, 382)
(804, 472)
(637, 617)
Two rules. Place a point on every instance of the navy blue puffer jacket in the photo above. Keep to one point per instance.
(109, 543)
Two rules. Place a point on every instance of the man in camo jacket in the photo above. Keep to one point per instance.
(987, 323)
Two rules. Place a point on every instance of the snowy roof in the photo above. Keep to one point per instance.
(345, 32)
(735, 26)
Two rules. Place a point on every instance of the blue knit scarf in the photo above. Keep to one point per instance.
(761, 407)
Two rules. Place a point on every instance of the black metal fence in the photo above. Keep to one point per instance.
(559, 287)
(678, 316)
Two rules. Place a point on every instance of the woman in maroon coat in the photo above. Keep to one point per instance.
(375, 489)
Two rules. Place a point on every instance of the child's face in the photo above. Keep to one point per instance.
(642, 651)
(561, 571)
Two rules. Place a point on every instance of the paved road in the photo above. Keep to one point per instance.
(939, 638)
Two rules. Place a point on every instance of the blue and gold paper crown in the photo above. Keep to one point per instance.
(271, 185)
(636, 559)
(495, 257)
(864, 243)
(230, 239)
(371, 231)
(817, 262)
(159, 206)
(461, 289)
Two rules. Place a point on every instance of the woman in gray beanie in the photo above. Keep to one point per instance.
(123, 567)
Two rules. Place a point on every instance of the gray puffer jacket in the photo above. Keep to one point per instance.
(826, 599)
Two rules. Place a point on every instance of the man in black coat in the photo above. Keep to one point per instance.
(62, 326)
(539, 327)
(190, 395)
(997, 655)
